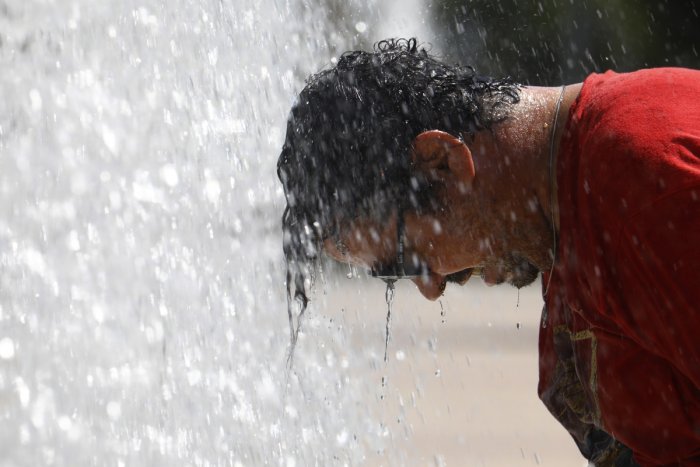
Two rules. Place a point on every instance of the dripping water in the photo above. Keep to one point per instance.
(517, 305)
(389, 296)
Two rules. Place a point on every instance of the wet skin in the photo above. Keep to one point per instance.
(446, 255)
(500, 222)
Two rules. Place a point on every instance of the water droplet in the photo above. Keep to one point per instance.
(35, 100)
(64, 423)
(7, 348)
(168, 174)
(98, 313)
(342, 437)
(110, 139)
(73, 241)
(194, 377)
(212, 190)
(114, 410)
(22, 392)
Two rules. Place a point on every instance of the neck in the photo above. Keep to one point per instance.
(514, 162)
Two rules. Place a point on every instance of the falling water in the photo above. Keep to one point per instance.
(142, 317)
(389, 297)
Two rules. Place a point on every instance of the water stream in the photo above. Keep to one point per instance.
(142, 317)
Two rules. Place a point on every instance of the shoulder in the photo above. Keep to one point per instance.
(636, 136)
(638, 108)
(642, 88)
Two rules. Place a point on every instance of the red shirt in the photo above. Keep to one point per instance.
(620, 342)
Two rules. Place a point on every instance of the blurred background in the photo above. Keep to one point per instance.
(562, 41)
(546, 42)
(142, 313)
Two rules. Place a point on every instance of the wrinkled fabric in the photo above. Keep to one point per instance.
(620, 337)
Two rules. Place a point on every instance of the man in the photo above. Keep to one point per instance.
(412, 168)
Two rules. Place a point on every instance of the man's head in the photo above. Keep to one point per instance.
(347, 158)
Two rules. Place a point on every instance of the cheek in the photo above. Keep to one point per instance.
(427, 234)
(447, 262)
(455, 253)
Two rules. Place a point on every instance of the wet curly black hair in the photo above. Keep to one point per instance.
(346, 153)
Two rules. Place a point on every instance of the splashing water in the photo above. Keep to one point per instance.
(142, 305)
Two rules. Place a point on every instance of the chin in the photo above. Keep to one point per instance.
(513, 269)
(523, 273)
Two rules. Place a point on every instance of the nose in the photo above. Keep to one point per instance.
(431, 285)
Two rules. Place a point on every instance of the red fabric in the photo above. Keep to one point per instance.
(626, 286)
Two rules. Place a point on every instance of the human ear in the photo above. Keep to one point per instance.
(443, 157)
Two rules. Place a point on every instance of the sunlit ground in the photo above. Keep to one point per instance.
(461, 378)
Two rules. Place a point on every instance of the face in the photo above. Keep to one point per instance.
(439, 244)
